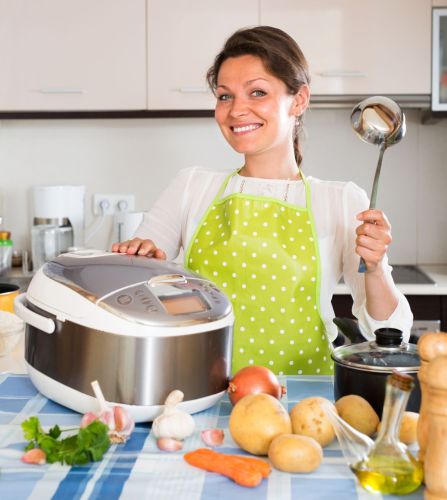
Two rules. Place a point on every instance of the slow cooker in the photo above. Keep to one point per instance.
(141, 327)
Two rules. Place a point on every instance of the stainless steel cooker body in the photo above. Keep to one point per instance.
(131, 370)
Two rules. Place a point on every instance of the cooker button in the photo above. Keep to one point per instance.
(146, 301)
(139, 293)
(124, 299)
(151, 309)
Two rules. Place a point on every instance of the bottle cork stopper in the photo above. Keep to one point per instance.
(401, 380)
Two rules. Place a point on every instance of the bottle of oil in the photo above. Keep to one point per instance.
(390, 468)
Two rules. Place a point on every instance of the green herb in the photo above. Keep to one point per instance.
(89, 444)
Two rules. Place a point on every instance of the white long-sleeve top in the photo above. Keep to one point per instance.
(174, 217)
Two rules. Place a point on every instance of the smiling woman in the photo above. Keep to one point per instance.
(273, 240)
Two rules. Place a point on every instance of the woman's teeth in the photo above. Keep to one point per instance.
(246, 128)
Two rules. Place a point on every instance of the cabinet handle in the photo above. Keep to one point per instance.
(342, 74)
(193, 90)
(55, 90)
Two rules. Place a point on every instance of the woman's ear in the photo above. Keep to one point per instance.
(301, 100)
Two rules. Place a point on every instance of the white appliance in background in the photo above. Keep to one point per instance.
(125, 225)
(58, 221)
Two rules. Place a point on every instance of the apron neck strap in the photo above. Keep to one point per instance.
(232, 174)
(225, 183)
(306, 188)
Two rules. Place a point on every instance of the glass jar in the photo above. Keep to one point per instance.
(5, 256)
(48, 241)
(390, 468)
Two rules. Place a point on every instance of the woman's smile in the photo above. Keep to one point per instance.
(245, 129)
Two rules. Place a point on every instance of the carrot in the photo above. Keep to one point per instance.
(240, 472)
(256, 463)
(261, 466)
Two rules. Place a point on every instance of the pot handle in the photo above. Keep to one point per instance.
(47, 325)
(349, 331)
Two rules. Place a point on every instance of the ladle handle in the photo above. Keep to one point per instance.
(373, 199)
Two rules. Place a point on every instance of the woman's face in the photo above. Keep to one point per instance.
(254, 110)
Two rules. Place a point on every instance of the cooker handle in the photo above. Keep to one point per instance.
(166, 279)
(40, 322)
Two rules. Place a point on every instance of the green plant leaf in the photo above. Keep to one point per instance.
(90, 443)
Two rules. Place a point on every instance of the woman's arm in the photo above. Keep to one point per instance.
(373, 239)
(377, 301)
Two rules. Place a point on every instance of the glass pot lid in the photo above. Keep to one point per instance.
(385, 354)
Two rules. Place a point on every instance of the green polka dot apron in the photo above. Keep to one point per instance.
(263, 254)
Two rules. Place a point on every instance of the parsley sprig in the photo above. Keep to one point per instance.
(89, 444)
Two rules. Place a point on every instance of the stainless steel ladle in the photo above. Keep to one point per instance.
(378, 120)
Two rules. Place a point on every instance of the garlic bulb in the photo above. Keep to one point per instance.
(117, 418)
(173, 423)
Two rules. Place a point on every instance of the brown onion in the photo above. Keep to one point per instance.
(254, 380)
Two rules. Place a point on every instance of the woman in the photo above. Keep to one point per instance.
(275, 242)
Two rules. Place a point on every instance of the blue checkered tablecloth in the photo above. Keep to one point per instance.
(138, 470)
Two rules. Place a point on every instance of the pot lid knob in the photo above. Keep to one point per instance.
(389, 337)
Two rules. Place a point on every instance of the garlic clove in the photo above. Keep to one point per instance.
(107, 417)
(35, 456)
(169, 444)
(212, 437)
(124, 423)
(88, 418)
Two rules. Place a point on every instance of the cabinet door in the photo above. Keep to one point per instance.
(184, 36)
(359, 46)
(61, 55)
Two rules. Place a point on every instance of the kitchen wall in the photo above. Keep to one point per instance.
(140, 156)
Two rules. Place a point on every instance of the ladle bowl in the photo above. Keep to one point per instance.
(378, 120)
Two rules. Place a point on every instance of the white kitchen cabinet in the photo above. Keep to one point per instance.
(65, 55)
(184, 36)
(359, 46)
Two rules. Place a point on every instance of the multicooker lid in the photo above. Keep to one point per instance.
(139, 288)
(384, 354)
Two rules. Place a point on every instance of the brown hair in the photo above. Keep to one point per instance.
(280, 55)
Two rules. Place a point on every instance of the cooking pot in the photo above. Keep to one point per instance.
(141, 327)
(362, 368)
(8, 292)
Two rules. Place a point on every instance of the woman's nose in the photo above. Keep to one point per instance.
(239, 106)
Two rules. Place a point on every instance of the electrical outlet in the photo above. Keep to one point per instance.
(110, 204)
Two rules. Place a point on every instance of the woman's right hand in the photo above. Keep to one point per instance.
(137, 246)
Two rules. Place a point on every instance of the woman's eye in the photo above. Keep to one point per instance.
(258, 93)
(223, 97)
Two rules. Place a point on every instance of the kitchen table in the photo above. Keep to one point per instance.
(138, 470)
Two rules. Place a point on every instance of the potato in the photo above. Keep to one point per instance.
(256, 420)
(358, 413)
(293, 453)
(408, 427)
(309, 419)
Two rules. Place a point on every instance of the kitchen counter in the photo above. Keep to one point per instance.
(438, 273)
(138, 469)
(14, 362)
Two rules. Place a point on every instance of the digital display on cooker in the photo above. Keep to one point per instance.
(184, 304)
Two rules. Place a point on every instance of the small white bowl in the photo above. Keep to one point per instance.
(11, 330)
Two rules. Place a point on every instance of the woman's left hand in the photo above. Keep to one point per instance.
(373, 237)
